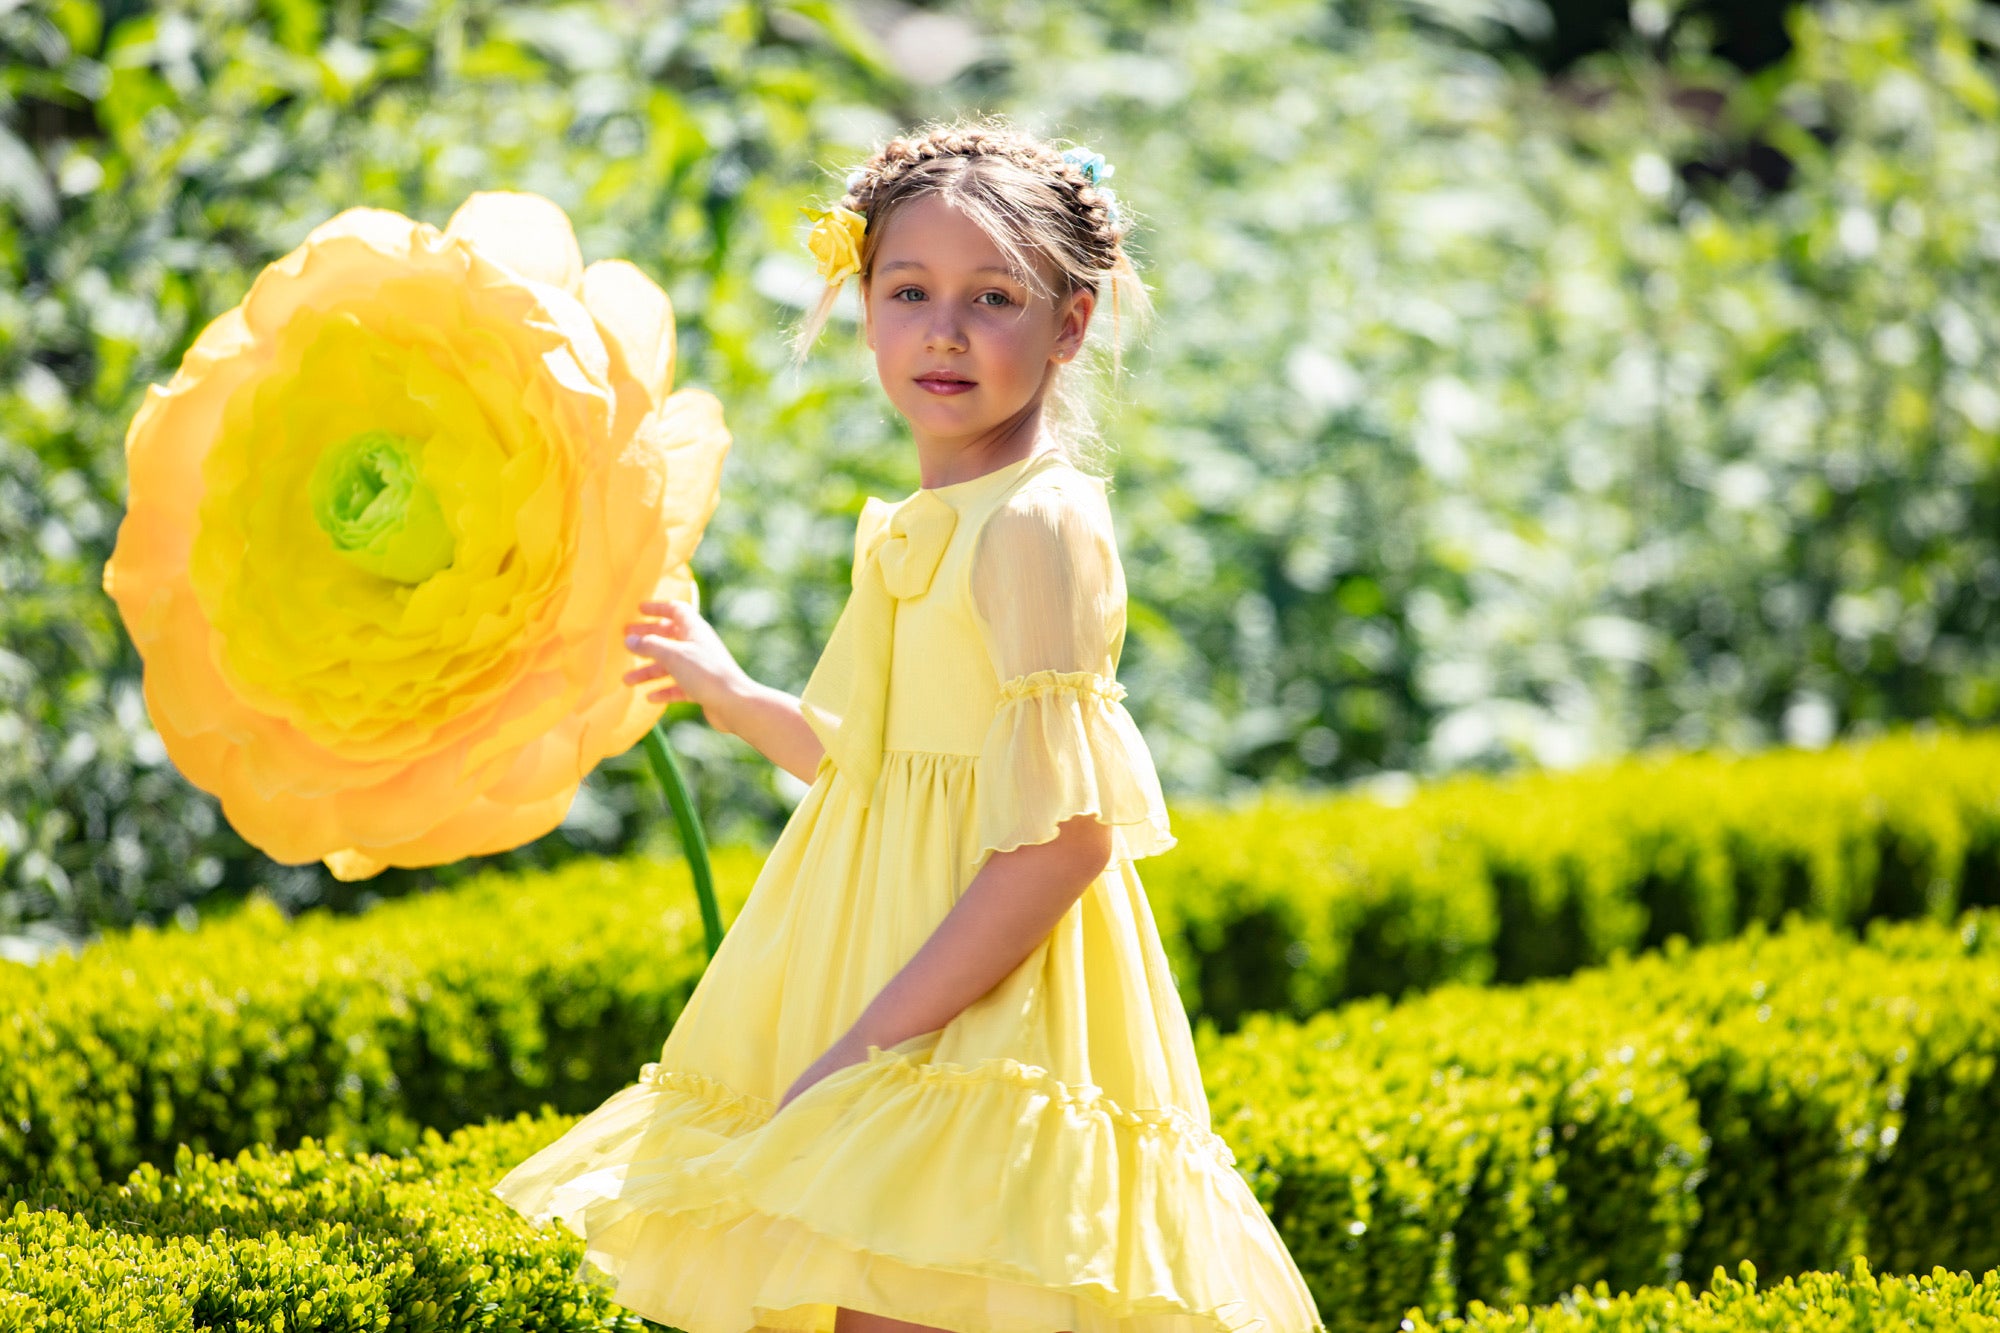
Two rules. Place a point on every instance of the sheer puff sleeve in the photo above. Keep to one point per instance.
(1050, 597)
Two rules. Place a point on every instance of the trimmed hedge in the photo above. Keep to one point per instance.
(313, 1239)
(306, 1239)
(1295, 903)
(360, 1031)
(1798, 1100)
(1810, 1303)
(443, 1010)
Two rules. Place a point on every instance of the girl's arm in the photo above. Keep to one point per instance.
(681, 644)
(1010, 907)
(770, 720)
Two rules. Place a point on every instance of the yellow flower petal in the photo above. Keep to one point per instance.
(835, 241)
(526, 232)
(383, 229)
(638, 324)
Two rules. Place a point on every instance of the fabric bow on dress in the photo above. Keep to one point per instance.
(897, 549)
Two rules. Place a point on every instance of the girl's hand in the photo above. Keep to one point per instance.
(686, 648)
(847, 1051)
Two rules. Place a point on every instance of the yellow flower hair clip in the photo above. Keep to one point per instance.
(835, 241)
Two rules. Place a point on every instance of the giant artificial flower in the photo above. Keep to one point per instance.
(386, 525)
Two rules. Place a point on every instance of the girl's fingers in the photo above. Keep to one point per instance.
(663, 608)
(671, 695)
(643, 627)
(640, 675)
(650, 645)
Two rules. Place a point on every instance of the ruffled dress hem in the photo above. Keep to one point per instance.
(1011, 1202)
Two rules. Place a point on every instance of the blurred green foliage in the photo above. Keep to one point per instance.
(171, 151)
(1489, 421)
(1474, 434)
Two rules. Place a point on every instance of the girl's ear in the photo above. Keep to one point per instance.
(1075, 323)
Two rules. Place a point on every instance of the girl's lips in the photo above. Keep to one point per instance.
(946, 386)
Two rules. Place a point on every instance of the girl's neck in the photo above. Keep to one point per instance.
(946, 462)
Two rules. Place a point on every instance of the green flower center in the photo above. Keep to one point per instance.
(368, 496)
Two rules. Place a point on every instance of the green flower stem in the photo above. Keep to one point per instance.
(692, 838)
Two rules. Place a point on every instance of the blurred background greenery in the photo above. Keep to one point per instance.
(1533, 382)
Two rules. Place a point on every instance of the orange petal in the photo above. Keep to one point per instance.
(352, 865)
(480, 829)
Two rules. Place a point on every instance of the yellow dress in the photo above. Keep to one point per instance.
(1045, 1161)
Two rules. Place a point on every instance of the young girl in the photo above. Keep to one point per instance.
(938, 1075)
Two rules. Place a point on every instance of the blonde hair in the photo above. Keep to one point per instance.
(1022, 192)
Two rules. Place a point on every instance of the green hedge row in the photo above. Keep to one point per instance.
(1810, 1303)
(302, 1240)
(491, 999)
(414, 1243)
(1295, 903)
(1795, 1099)
(360, 1031)
(1798, 1100)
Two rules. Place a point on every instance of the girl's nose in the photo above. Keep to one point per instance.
(944, 330)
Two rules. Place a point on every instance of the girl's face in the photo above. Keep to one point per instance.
(940, 302)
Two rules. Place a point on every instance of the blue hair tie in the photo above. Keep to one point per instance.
(1095, 170)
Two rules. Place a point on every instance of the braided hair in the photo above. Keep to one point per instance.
(1023, 192)
(1096, 237)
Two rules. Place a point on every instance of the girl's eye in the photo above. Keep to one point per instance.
(917, 293)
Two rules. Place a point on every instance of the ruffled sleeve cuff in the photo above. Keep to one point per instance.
(1061, 745)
